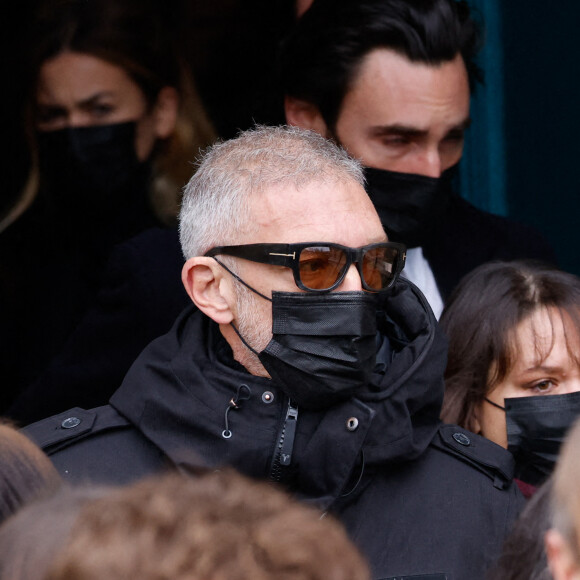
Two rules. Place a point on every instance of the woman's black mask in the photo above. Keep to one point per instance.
(536, 427)
(93, 168)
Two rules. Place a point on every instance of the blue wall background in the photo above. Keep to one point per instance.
(483, 168)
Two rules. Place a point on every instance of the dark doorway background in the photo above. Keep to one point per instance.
(542, 120)
(231, 45)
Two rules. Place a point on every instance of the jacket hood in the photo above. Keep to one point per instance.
(408, 389)
(179, 393)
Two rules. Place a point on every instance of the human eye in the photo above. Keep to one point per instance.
(543, 386)
(313, 264)
(101, 110)
(453, 141)
(48, 118)
(395, 141)
(454, 136)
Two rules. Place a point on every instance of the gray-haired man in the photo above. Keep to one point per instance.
(307, 362)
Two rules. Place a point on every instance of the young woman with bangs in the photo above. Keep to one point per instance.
(513, 372)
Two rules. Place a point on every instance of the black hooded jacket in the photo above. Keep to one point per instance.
(418, 497)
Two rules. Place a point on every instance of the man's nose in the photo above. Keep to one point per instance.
(430, 164)
(352, 281)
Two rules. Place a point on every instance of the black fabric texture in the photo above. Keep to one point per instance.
(409, 205)
(89, 168)
(139, 298)
(51, 268)
(536, 428)
(323, 348)
(467, 237)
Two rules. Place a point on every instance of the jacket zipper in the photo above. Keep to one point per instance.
(285, 445)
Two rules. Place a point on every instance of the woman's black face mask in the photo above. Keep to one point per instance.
(536, 427)
(91, 168)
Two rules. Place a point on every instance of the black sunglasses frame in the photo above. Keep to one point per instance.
(288, 255)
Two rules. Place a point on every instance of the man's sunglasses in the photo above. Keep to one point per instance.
(321, 267)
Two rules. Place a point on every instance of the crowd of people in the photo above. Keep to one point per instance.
(295, 353)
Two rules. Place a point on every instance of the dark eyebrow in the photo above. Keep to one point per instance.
(403, 130)
(88, 102)
(463, 126)
(95, 98)
(49, 107)
(410, 131)
(543, 369)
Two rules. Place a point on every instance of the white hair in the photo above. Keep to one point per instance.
(217, 204)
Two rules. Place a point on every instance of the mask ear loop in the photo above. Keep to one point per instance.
(234, 326)
(242, 394)
(241, 281)
(494, 404)
(243, 339)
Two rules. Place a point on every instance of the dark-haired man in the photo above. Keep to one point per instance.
(390, 80)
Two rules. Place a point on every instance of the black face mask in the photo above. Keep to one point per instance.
(323, 346)
(536, 427)
(409, 205)
(92, 168)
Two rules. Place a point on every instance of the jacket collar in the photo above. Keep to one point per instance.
(178, 391)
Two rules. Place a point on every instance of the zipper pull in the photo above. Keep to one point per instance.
(289, 433)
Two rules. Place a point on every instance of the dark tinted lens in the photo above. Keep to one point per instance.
(321, 266)
(378, 266)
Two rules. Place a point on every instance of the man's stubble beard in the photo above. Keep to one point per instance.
(253, 327)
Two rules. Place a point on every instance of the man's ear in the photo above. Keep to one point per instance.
(166, 110)
(304, 114)
(208, 288)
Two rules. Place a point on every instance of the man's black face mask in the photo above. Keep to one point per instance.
(323, 347)
(409, 205)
